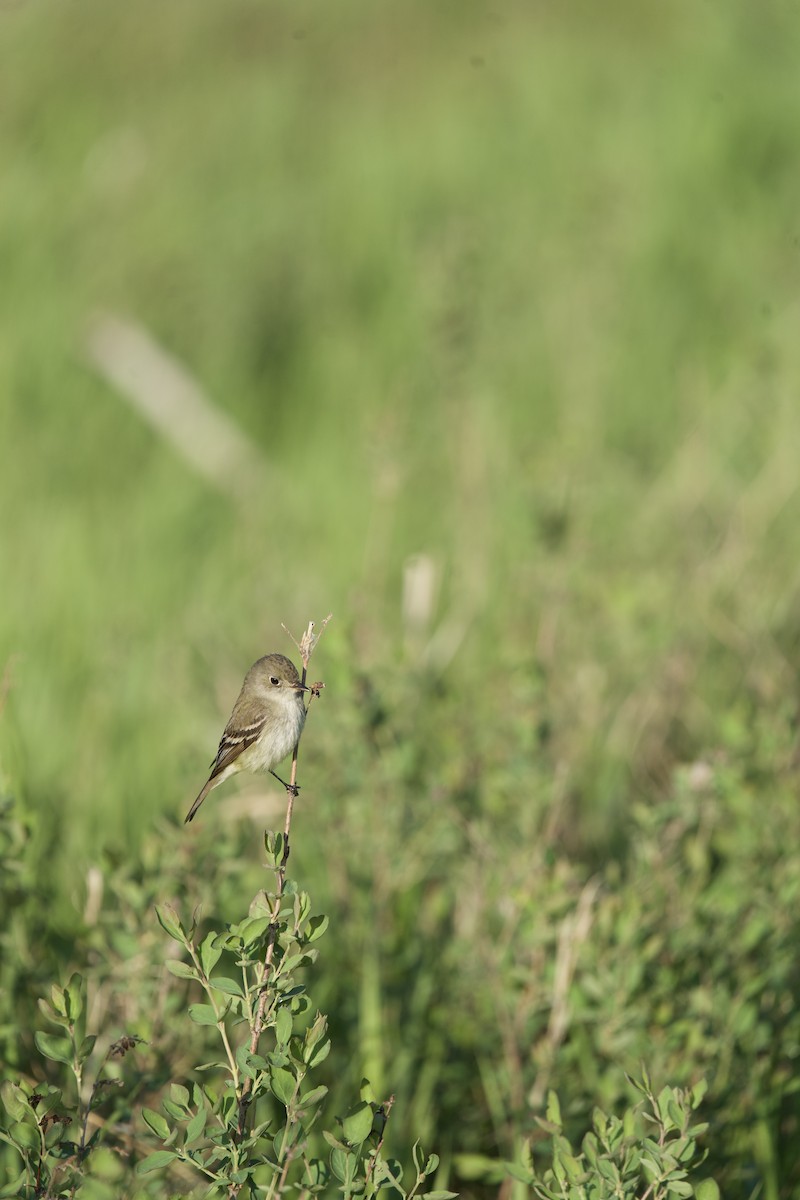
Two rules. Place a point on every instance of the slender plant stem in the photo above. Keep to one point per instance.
(263, 998)
(387, 1108)
(305, 646)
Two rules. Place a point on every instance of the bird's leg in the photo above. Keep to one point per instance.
(292, 788)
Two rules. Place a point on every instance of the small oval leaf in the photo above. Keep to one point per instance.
(229, 986)
(202, 1014)
(156, 1122)
(154, 1162)
(180, 969)
(59, 1049)
(357, 1125)
(196, 1126)
(283, 1084)
(168, 920)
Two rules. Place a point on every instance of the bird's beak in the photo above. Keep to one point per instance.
(301, 687)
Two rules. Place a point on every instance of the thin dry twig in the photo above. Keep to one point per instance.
(308, 641)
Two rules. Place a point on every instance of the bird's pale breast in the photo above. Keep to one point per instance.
(279, 737)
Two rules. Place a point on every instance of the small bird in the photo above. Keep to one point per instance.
(265, 724)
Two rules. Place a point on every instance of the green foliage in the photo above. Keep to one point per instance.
(620, 1158)
(249, 1120)
(561, 977)
(208, 1129)
(48, 1126)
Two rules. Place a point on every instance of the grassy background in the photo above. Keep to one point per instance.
(514, 289)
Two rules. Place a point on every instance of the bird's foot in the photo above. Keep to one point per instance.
(293, 789)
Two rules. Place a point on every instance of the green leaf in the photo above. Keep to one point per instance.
(51, 1015)
(320, 1054)
(202, 1014)
(86, 1047)
(55, 1135)
(609, 1170)
(17, 1186)
(316, 927)
(357, 1125)
(59, 1049)
(154, 1162)
(59, 998)
(313, 1034)
(15, 1102)
(181, 969)
(253, 929)
(156, 1122)
(707, 1189)
(431, 1164)
(261, 905)
(48, 1102)
(283, 1025)
(175, 1110)
(229, 986)
(74, 997)
(679, 1187)
(209, 953)
(573, 1168)
(664, 1097)
(169, 922)
(547, 1126)
(392, 1169)
(333, 1141)
(553, 1111)
(283, 1084)
(698, 1092)
(677, 1115)
(344, 1165)
(648, 1164)
(517, 1171)
(440, 1195)
(179, 1095)
(24, 1135)
(314, 1096)
(273, 846)
(317, 1174)
(243, 1175)
(244, 1060)
(196, 1126)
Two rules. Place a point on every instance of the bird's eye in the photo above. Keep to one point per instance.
(274, 680)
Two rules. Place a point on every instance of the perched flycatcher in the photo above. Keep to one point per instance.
(265, 724)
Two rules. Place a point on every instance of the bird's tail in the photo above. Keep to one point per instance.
(212, 783)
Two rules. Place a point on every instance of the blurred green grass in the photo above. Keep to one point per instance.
(516, 289)
(513, 288)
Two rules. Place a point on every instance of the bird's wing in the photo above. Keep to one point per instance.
(233, 742)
